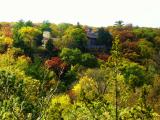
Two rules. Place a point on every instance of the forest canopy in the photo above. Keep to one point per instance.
(76, 72)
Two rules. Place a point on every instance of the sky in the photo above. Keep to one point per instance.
(87, 12)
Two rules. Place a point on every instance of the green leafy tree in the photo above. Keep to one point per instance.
(71, 56)
(55, 32)
(71, 76)
(62, 27)
(58, 106)
(11, 109)
(119, 23)
(75, 38)
(146, 48)
(134, 75)
(147, 33)
(91, 94)
(116, 59)
(104, 38)
(16, 27)
(138, 113)
(28, 34)
(88, 60)
(50, 48)
(16, 36)
(45, 26)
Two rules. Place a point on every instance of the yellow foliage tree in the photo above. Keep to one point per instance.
(28, 34)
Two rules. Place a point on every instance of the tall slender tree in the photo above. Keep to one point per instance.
(116, 59)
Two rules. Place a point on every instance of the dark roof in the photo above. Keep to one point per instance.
(92, 35)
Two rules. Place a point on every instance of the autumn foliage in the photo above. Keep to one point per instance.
(103, 57)
(60, 78)
(56, 64)
(6, 30)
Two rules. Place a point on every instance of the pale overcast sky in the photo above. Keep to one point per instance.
(90, 12)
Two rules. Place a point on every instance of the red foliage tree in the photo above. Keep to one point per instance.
(57, 65)
(130, 46)
(124, 34)
(103, 57)
(130, 50)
